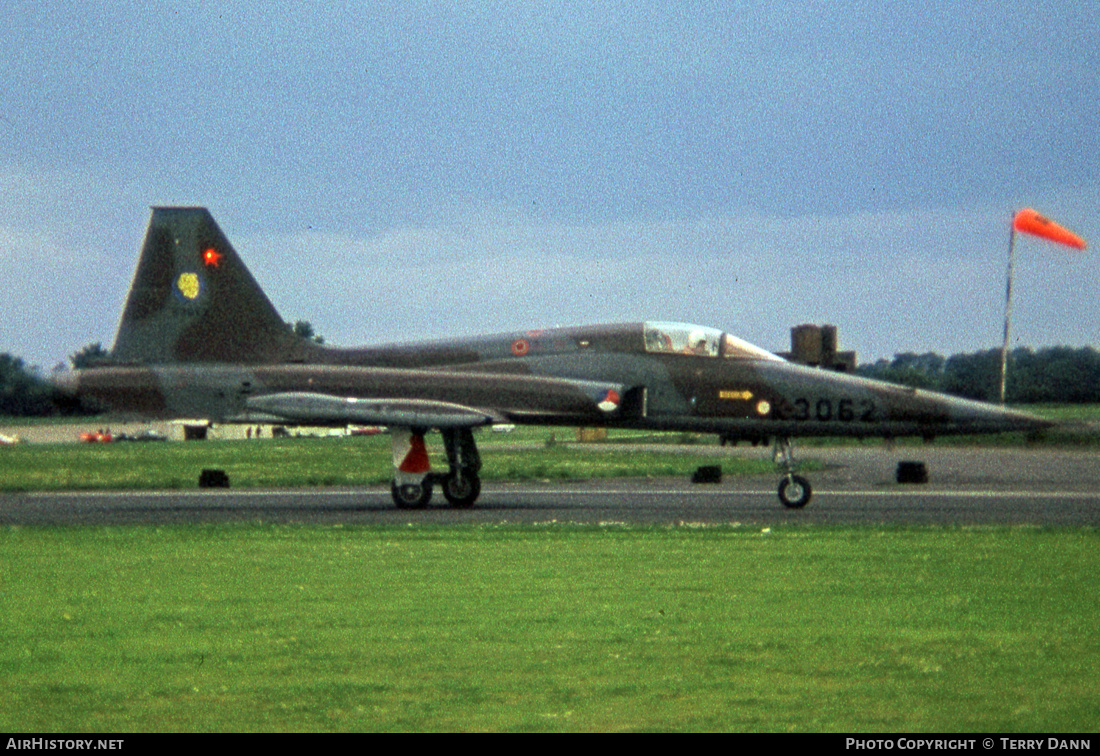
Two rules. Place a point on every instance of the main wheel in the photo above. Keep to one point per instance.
(411, 495)
(795, 491)
(461, 488)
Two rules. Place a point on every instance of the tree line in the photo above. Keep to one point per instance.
(22, 392)
(1054, 375)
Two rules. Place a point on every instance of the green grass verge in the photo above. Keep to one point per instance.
(294, 628)
(294, 462)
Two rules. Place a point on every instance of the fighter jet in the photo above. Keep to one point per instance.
(199, 338)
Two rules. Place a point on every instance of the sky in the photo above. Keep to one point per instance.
(409, 170)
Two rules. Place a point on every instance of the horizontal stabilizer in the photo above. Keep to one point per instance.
(323, 409)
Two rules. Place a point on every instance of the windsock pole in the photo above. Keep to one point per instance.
(1008, 308)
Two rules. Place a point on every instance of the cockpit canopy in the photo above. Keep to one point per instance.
(684, 338)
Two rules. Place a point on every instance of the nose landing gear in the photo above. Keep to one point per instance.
(794, 490)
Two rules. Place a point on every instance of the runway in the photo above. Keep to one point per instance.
(967, 486)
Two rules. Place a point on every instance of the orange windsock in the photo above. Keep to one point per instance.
(1030, 222)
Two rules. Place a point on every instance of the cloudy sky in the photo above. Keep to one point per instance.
(418, 169)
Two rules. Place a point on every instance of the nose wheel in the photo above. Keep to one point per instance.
(794, 490)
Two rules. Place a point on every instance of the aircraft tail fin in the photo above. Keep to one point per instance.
(193, 300)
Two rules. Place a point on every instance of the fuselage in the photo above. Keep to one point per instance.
(664, 376)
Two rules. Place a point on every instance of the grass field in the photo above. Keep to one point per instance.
(272, 628)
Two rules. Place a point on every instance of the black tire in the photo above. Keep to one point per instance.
(411, 495)
(795, 491)
(461, 488)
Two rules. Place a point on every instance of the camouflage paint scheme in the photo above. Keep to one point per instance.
(199, 338)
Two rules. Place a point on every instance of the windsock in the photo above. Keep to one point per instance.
(1030, 222)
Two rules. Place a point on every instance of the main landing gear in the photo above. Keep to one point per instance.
(794, 490)
(413, 479)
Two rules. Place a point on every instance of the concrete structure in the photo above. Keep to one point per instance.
(816, 346)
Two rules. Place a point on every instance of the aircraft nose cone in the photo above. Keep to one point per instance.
(1028, 421)
(986, 418)
(1035, 420)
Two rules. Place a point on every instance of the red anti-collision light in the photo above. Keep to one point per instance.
(211, 257)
